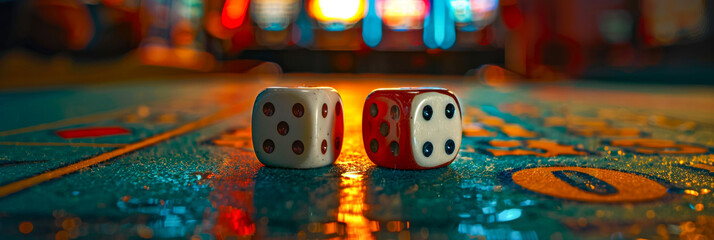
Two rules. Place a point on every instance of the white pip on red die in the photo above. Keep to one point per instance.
(411, 128)
(297, 127)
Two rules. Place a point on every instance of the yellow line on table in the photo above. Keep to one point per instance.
(63, 144)
(37, 179)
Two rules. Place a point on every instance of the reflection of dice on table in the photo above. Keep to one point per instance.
(297, 127)
(411, 128)
(295, 202)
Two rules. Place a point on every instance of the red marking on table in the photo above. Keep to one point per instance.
(92, 132)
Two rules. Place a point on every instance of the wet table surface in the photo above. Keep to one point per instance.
(537, 161)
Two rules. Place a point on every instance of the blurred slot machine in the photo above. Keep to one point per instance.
(350, 25)
(537, 39)
(173, 30)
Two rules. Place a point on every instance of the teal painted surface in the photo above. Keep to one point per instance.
(187, 186)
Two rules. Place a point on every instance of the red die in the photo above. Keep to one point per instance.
(411, 128)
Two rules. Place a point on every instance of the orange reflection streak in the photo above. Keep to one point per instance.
(353, 160)
(352, 207)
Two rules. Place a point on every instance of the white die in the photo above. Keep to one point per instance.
(438, 130)
(297, 127)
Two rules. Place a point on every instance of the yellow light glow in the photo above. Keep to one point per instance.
(342, 11)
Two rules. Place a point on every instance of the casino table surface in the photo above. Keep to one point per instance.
(174, 159)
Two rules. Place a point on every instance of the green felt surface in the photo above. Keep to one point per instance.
(189, 186)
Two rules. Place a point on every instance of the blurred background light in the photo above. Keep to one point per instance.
(274, 15)
(337, 15)
(234, 13)
(534, 38)
(462, 11)
(372, 25)
(616, 26)
(73, 17)
(483, 12)
(472, 15)
(302, 34)
(403, 14)
(439, 26)
(666, 22)
(511, 14)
